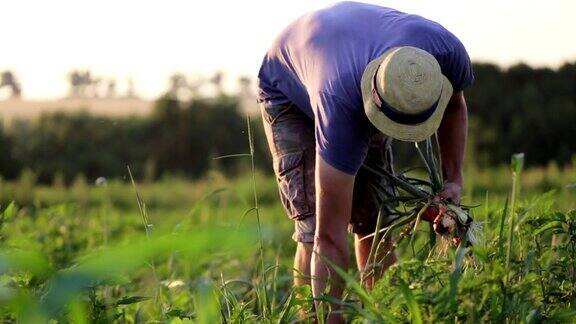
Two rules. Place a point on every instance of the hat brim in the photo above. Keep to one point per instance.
(403, 132)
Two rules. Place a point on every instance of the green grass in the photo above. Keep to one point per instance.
(81, 254)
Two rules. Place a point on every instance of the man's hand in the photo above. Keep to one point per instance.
(451, 192)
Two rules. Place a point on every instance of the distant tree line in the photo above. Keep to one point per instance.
(523, 109)
(520, 109)
(177, 138)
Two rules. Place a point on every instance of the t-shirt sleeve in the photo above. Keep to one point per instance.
(342, 132)
(456, 66)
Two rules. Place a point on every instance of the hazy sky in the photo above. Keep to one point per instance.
(148, 40)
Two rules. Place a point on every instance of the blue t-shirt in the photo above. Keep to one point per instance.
(317, 63)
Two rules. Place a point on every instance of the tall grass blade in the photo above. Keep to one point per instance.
(501, 235)
(198, 205)
(456, 274)
(415, 314)
(516, 166)
(356, 287)
(416, 223)
(288, 308)
(264, 292)
(368, 269)
(232, 156)
(141, 205)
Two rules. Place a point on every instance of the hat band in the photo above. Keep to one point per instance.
(396, 115)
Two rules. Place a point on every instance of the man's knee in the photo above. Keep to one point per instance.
(303, 254)
(304, 248)
(330, 238)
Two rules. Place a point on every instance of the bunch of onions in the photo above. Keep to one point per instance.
(453, 222)
(418, 197)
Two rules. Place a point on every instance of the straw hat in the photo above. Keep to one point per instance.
(405, 93)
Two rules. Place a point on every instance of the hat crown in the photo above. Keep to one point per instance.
(410, 80)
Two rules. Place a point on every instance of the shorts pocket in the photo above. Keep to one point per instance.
(272, 113)
(290, 172)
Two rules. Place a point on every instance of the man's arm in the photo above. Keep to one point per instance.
(452, 137)
(334, 190)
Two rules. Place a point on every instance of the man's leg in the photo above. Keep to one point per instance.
(290, 135)
(304, 236)
(370, 190)
(378, 263)
(302, 264)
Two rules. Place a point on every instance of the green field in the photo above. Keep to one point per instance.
(192, 251)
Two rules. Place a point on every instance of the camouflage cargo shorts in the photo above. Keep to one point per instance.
(290, 135)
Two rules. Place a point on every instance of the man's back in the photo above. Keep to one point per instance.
(317, 63)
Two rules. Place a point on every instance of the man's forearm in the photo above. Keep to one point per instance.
(333, 209)
(452, 137)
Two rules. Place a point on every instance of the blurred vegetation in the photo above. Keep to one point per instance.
(80, 254)
(520, 109)
(179, 194)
